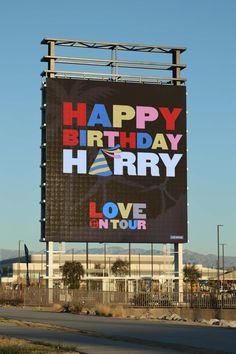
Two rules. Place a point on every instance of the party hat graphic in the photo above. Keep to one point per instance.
(100, 166)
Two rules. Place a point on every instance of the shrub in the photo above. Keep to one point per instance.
(73, 307)
(57, 307)
(103, 310)
(118, 311)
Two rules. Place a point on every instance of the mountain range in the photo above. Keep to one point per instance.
(208, 260)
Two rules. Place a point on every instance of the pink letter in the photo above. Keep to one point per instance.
(144, 114)
(103, 224)
(141, 224)
(174, 140)
(111, 137)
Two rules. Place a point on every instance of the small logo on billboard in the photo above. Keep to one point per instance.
(176, 237)
(118, 215)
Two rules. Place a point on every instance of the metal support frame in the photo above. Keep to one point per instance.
(176, 67)
(51, 61)
(135, 74)
(115, 61)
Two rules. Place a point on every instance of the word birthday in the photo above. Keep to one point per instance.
(118, 216)
(76, 133)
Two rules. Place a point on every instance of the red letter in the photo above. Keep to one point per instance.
(170, 117)
(128, 139)
(92, 211)
(70, 137)
(69, 114)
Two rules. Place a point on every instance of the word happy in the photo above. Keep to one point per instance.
(146, 160)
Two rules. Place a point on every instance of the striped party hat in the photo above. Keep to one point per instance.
(113, 152)
(100, 166)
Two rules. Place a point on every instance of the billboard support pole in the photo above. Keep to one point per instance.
(49, 268)
(112, 62)
(87, 265)
(178, 247)
(129, 259)
(51, 62)
(152, 260)
(176, 68)
(178, 266)
(105, 256)
(61, 251)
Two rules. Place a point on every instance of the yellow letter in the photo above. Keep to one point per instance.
(122, 113)
(124, 211)
(159, 142)
(94, 136)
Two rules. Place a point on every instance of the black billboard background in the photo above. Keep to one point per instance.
(68, 195)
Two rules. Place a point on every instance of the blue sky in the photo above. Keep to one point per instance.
(205, 27)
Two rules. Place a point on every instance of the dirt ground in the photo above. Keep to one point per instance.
(10, 345)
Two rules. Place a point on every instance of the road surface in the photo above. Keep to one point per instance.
(100, 335)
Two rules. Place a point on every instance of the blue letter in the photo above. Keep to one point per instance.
(99, 116)
(110, 210)
(144, 140)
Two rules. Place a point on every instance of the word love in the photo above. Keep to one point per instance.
(118, 216)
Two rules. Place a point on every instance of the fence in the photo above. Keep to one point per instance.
(46, 297)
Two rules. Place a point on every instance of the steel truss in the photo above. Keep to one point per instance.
(117, 66)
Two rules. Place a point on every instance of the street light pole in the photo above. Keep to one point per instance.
(218, 256)
(223, 261)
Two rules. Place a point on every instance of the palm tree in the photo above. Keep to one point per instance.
(120, 268)
(191, 275)
(72, 273)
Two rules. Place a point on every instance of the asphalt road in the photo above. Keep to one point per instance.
(100, 335)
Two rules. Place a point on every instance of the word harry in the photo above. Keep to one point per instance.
(140, 165)
(118, 216)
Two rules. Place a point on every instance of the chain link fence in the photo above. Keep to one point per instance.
(46, 297)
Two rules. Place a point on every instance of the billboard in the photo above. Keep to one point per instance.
(115, 162)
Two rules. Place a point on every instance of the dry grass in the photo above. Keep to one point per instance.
(57, 307)
(105, 310)
(119, 311)
(10, 345)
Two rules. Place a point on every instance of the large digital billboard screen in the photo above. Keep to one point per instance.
(115, 162)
